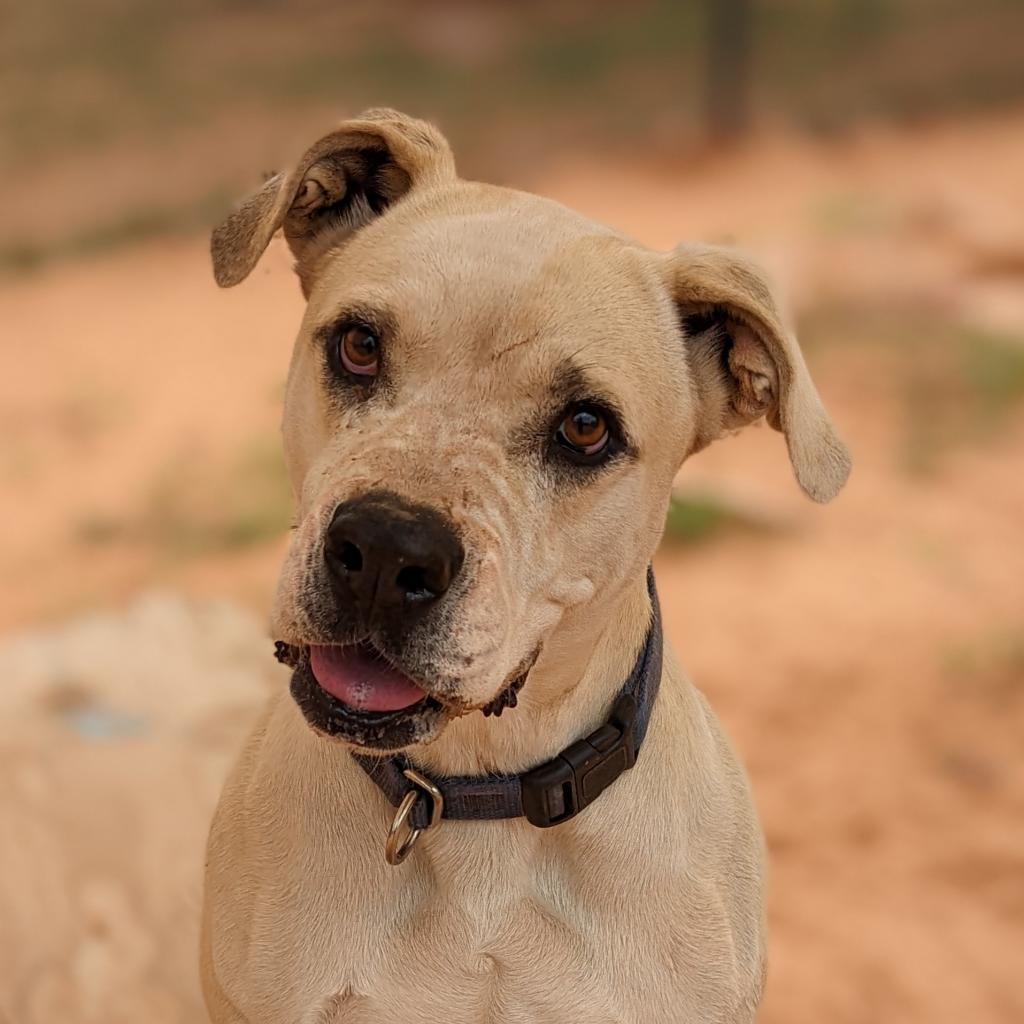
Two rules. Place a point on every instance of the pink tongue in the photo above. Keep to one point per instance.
(356, 677)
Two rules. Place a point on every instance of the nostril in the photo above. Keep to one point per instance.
(412, 581)
(350, 557)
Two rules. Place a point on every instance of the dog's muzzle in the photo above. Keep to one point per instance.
(364, 675)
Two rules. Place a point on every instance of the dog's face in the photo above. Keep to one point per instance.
(487, 403)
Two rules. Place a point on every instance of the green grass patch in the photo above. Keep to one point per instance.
(989, 668)
(696, 517)
(994, 369)
(198, 508)
(849, 214)
(954, 384)
(259, 506)
(958, 391)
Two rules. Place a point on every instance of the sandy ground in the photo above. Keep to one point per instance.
(866, 657)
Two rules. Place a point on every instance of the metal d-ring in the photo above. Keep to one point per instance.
(399, 846)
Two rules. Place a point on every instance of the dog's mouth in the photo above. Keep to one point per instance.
(354, 693)
(359, 677)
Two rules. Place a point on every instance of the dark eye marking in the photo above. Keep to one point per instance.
(587, 429)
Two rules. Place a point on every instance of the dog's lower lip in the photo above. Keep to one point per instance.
(372, 730)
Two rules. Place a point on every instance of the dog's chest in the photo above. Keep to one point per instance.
(548, 943)
(443, 963)
(487, 931)
(492, 941)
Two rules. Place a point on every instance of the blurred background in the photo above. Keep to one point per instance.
(866, 657)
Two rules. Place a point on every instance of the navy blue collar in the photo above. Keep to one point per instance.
(554, 791)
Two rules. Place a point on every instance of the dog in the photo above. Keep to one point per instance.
(451, 817)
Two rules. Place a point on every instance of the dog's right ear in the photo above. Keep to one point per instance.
(342, 182)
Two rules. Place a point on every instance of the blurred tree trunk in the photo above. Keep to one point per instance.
(727, 68)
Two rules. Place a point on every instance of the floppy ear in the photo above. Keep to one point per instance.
(746, 365)
(341, 183)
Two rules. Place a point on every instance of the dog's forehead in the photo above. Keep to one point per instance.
(501, 268)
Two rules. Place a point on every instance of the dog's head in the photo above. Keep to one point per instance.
(488, 401)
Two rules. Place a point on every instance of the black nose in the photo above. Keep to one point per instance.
(390, 558)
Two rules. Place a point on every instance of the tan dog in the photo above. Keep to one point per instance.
(488, 401)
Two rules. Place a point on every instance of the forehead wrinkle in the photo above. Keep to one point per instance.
(528, 340)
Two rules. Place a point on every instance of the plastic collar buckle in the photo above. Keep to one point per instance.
(562, 787)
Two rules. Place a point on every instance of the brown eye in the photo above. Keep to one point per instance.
(359, 351)
(584, 430)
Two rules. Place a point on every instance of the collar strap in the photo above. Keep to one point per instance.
(554, 791)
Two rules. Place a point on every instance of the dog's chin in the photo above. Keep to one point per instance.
(349, 694)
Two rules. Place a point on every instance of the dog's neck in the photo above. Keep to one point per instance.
(568, 693)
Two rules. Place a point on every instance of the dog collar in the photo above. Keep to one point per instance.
(546, 795)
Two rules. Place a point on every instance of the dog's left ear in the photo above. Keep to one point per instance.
(340, 184)
(746, 365)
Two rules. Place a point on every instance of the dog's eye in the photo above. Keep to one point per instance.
(584, 432)
(359, 351)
